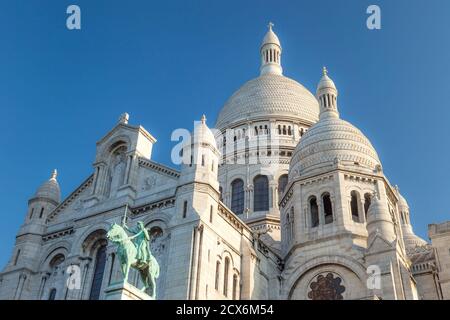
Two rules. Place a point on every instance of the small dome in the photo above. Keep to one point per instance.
(266, 96)
(412, 240)
(402, 203)
(203, 134)
(331, 141)
(325, 82)
(49, 189)
(270, 38)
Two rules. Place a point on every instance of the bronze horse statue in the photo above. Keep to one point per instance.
(134, 252)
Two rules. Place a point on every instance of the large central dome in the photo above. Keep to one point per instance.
(269, 95)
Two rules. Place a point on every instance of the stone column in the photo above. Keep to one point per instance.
(22, 279)
(272, 196)
(321, 211)
(250, 197)
(84, 266)
(42, 285)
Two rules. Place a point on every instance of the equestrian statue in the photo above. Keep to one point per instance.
(134, 252)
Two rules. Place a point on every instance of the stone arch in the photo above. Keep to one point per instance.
(227, 253)
(77, 248)
(62, 247)
(313, 267)
(109, 146)
(159, 246)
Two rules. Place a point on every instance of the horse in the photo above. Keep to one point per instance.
(127, 253)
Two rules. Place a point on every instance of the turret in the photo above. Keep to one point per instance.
(46, 198)
(327, 95)
(379, 221)
(409, 237)
(271, 53)
(201, 157)
(29, 238)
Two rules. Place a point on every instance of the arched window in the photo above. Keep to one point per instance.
(216, 282)
(56, 261)
(288, 227)
(235, 286)
(225, 276)
(367, 201)
(282, 183)
(261, 193)
(327, 208)
(100, 261)
(237, 196)
(111, 268)
(52, 294)
(314, 211)
(291, 224)
(354, 206)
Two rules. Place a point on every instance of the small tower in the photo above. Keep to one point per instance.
(271, 53)
(201, 157)
(197, 201)
(410, 239)
(46, 198)
(327, 96)
(29, 238)
(379, 221)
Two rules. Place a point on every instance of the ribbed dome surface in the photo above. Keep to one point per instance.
(269, 95)
(329, 141)
(49, 190)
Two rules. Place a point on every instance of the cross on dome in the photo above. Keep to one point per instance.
(324, 71)
(270, 25)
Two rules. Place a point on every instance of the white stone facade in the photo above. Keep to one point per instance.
(288, 202)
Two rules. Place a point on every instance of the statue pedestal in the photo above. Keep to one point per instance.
(125, 291)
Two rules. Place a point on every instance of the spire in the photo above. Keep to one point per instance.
(203, 119)
(327, 96)
(271, 53)
(54, 174)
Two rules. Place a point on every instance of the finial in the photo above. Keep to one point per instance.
(124, 118)
(270, 25)
(324, 71)
(54, 174)
(203, 119)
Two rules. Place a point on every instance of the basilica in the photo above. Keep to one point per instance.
(280, 199)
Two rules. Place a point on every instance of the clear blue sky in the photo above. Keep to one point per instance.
(167, 62)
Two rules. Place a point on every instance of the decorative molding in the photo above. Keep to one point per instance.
(158, 205)
(158, 167)
(70, 198)
(58, 234)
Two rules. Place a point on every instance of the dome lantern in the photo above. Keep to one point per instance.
(327, 96)
(271, 53)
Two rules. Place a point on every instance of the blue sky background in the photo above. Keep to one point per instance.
(167, 62)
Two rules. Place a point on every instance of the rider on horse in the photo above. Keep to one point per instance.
(141, 239)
